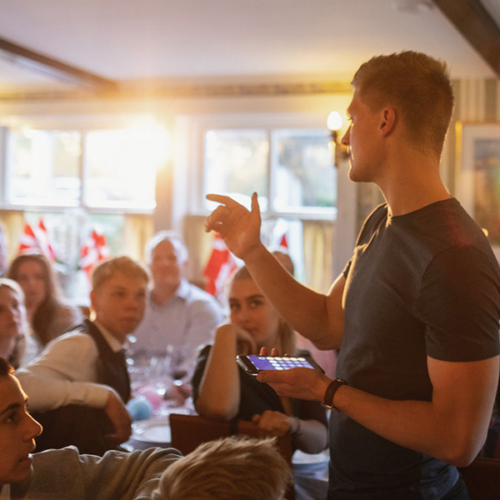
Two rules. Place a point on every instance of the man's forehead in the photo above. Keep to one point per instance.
(124, 281)
(166, 246)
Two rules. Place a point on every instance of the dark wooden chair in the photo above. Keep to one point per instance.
(189, 431)
(482, 478)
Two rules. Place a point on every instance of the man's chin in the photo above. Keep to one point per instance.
(24, 469)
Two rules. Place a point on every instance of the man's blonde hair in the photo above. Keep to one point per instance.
(228, 469)
(124, 265)
(418, 87)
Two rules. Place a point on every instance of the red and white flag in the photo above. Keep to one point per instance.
(94, 251)
(36, 240)
(43, 239)
(284, 241)
(219, 267)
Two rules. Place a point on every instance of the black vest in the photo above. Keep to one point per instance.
(111, 366)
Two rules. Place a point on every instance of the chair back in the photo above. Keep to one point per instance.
(482, 478)
(189, 431)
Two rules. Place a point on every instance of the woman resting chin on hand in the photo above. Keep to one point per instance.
(221, 390)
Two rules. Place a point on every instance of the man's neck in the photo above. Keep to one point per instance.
(413, 182)
(161, 293)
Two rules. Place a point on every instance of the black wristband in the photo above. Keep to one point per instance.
(330, 393)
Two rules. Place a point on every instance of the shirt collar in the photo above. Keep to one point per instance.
(5, 492)
(113, 342)
(183, 289)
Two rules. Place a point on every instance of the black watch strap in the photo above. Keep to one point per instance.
(330, 393)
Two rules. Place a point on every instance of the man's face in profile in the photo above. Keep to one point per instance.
(18, 431)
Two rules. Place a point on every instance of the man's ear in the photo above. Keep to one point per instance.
(388, 121)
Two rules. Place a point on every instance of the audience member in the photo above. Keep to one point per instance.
(12, 322)
(178, 314)
(221, 388)
(415, 312)
(79, 385)
(326, 359)
(48, 315)
(64, 474)
(228, 469)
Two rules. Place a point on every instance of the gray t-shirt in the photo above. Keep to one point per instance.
(421, 284)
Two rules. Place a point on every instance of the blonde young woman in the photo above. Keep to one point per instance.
(223, 391)
(13, 322)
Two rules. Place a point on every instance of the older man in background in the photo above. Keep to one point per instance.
(179, 316)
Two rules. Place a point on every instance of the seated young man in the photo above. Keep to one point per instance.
(246, 469)
(79, 385)
(64, 474)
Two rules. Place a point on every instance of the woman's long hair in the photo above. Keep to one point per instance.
(20, 345)
(286, 334)
(46, 311)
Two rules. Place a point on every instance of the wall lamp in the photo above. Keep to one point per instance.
(334, 123)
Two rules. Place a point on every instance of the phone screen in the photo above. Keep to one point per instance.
(279, 363)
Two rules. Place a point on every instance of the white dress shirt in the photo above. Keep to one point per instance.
(66, 373)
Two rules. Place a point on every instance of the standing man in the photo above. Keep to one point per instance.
(178, 314)
(415, 313)
(79, 385)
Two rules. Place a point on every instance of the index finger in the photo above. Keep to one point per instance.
(225, 200)
(271, 376)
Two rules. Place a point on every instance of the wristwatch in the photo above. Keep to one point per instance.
(330, 393)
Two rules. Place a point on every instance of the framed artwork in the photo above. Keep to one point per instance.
(479, 176)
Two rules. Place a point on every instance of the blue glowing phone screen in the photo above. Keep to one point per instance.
(279, 363)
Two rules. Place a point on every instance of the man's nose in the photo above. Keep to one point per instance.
(346, 137)
(34, 429)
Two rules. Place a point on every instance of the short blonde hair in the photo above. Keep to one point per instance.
(246, 469)
(418, 86)
(123, 264)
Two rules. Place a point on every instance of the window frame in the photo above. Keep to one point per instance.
(79, 124)
(269, 122)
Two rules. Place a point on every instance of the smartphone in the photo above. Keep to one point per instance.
(252, 365)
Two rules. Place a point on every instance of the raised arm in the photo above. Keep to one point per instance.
(317, 317)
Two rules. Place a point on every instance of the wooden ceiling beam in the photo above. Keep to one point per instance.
(475, 23)
(54, 68)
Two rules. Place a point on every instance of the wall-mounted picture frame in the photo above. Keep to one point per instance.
(478, 176)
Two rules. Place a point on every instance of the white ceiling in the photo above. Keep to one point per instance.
(127, 40)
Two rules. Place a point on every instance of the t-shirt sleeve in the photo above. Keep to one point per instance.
(459, 302)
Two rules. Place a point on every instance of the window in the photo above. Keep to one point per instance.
(79, 180)
(292, 171)
(291, 168)
(44, 168)
(97, 169)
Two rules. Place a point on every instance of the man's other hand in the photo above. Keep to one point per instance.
(120, 418)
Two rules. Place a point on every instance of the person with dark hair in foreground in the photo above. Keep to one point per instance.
(415, 312)
(65, 474)
(228, 469)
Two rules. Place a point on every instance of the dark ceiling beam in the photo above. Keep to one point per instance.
(475, 23)
(53, 68)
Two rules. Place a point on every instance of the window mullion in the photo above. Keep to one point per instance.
(83, 170)
(271, 178)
